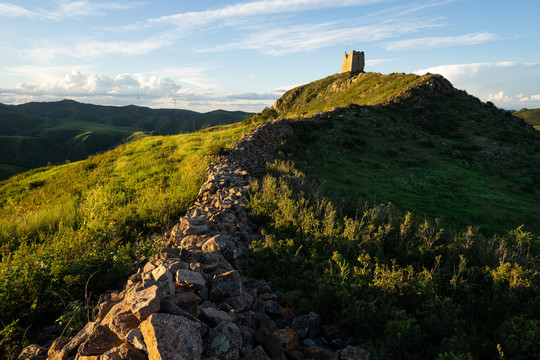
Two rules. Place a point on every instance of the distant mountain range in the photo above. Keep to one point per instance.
(38, 133)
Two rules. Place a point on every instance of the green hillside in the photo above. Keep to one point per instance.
(157, 121)
(344, 89)
(531, 116)
(30, 141)
(61, 224)
(413, 225)
(37, 134)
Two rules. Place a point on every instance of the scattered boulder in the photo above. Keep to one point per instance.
(172, 337)
(33, 352)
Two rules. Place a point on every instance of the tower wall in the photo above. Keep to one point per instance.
(353, 62)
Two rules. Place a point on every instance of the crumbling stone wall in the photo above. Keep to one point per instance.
(191, 300)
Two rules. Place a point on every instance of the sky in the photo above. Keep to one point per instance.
(242, 55)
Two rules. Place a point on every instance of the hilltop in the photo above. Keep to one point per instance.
(37, 134)
(345, 89)
(531, 116)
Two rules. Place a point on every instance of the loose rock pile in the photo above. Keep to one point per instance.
(191, 300)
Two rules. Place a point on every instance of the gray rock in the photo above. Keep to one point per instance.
(213, 317)
(191, 280)
(172, 337)
(307, 326)
(226, 285)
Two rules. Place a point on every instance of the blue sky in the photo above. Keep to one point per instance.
(242, 55)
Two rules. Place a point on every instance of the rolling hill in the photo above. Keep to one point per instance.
(531, 116)
(156, 121)
(37, 134)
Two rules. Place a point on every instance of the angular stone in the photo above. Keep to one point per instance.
(240, 303)
(187, 301)
(217, 345)
(270, 343)
(226, 285)
(121, 320)
(135, 338)
(33, 352)
(57, 346)
(100, 340)
(191, 280)
(307, 326)
(215, 243)
(231, 331)
(288, 338)
(149, 267)
(214, 317)
(352, 353)
(318, 353)
(161, 273)
(171, 337)
(124, 352)
(73, 345)
(258, 354)
(145, 302)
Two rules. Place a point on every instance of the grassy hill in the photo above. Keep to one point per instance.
(157, 121)
(412, 224)
(36, 134)
(30, 141)
(344, 89)
(61, 224)
(531, 116)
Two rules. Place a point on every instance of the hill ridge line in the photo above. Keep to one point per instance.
(191, 300)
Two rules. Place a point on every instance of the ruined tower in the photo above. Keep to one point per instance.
(353, 62)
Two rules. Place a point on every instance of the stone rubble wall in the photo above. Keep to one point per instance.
(191, 300)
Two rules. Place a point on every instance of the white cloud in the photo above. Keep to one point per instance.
(64, 9)
(150, 90)
(442, 41)
(499, 97)
(281, 40)
(247, 9)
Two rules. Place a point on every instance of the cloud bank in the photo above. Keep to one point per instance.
(137, 89)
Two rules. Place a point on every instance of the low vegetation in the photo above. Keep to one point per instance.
(71, 231)
(400, 285)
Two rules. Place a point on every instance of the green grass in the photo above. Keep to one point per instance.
(427, 158)
(531, 116)
(37, 134)
(60, 224)
(342, 90)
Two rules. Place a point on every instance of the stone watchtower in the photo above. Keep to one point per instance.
(353, 62)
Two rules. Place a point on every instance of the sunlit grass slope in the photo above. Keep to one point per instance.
(29, 141)
(342, 90)
(60, 224)
(531, 116)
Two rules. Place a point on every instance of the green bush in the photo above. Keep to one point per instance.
(402, 286)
